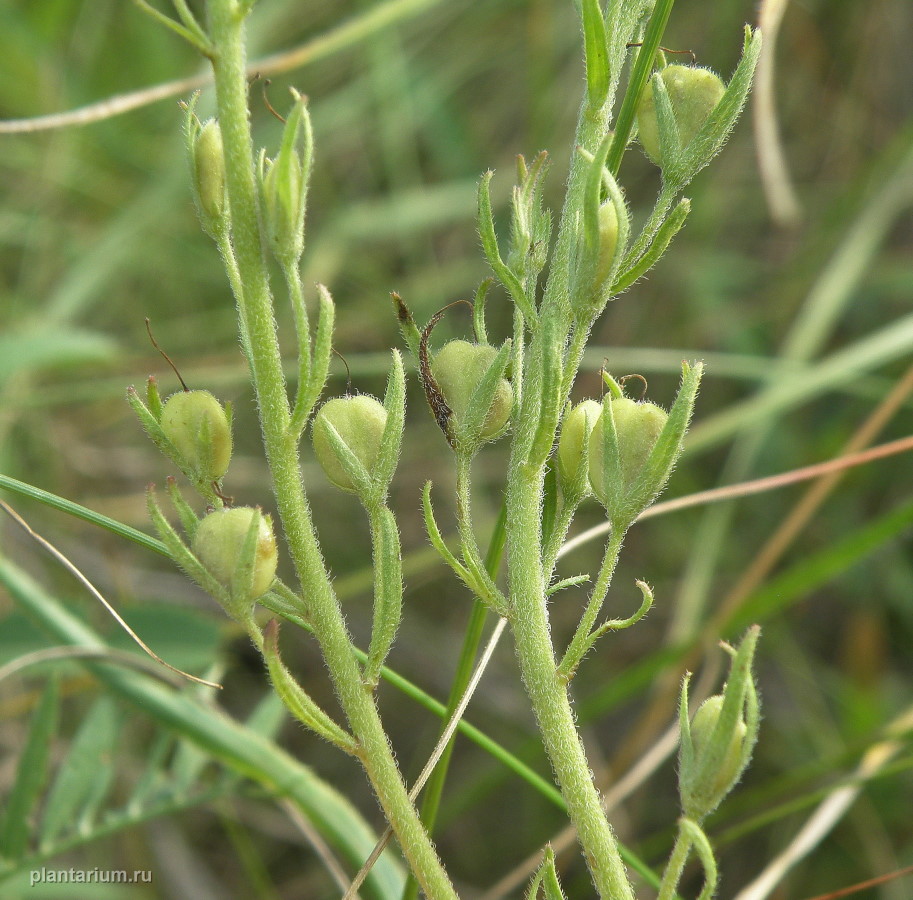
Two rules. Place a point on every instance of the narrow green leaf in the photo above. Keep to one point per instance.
(85, 774)
(189, 519)
(153, 782)
(566, 583)
(31, 774)
(180, 553)
(640, 72)
(392, 438)
(547, 878)
(313, 380)
(818, 568)
(668, 447)
(296, 699)
(670, 141)
(670, 227)
(493, 254)
(199, 40)
(81, 512)
(478, 311)
(388, 591)
(595, 46)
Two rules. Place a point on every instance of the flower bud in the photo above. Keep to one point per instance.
(575, 436)
(608, 241)
(458, 368)
(219, 544)
(360, 422)
(198, 427)
(209, 174)
(693, 94)
(637, 426)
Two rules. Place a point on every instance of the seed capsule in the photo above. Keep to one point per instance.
(637, 426)
(458, 368)
(702, 728)
(608, 241)
(196, 423)
(209, 172)
(693, 94)
(575, 436)
(360, 422)
(219, 544)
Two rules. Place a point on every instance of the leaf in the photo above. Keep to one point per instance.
(31, 773)
(85, 775)
(296, 699)
(392, 438)
(493, 254)
(547, 879)
(388, 592)
(596, 51)
(818, 568)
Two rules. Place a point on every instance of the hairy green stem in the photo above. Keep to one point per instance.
(528, 579)
(434, 789)
(582, 636)
(549, 696)
(675, 866)
(375, 753)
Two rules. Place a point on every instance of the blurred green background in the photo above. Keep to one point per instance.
(805, 328)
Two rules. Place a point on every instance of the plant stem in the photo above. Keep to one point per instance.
(375, 753)
(528, 611)
(549, 696)
(675, 866)
(431, 797)
(582, 636)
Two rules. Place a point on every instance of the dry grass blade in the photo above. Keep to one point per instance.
(865, 885)
(103, 654)
(756, 486)
(98, 596)
(335, 39)
(318, 844)
(441, 745)
(781, 198)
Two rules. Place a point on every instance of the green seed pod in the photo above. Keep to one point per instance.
(196, 423)
(282, 206)
(209, 173)
(359, 421)
(575, 436)
(637, 426)
(458, 368)
(693, 94)
(608, 241)
(715, 762)
(702, 728)
(219, 543)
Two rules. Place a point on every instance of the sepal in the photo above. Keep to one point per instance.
(284, 185)
(296, 700)
(716, 745)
